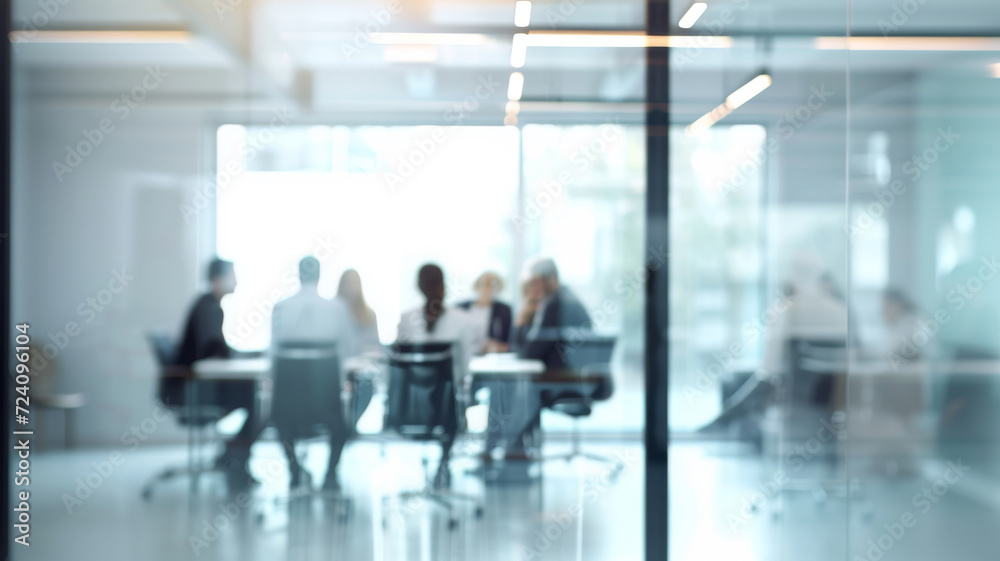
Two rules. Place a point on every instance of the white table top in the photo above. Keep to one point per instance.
(882, 367)
(249, 368)
(505, 363)
(926, 368)
(231, 368)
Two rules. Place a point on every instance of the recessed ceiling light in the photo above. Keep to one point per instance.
(519, 50)
(522, 13)
(692, 14)
(515, 86)
(748, 91)
(98, 36)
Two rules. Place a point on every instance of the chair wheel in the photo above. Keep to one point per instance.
(480, 512)
(452, 523)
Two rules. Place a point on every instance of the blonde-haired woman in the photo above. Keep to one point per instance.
(491, 317)
(365, 324)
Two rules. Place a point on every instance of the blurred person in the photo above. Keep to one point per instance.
(307, 317)
(547, 308)
(363, 321)
(203, 338)
(831, 287)
(491, 317)
(902, 322)
(809, 310)
(886, 406)
(435, 323)
(546, 305)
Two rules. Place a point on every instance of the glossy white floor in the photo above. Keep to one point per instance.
(113, 522)
(711, 486)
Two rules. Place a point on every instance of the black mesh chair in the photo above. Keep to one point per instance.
(421, 405)
(306, 405)
(176, 391)
(810, 391)
(587, 357)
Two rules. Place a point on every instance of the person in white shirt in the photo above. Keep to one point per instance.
(435, 323)
(307, 317)
(806, 311)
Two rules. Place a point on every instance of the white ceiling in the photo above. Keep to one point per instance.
(297, 48)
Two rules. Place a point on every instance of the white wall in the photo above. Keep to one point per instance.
(117, 211)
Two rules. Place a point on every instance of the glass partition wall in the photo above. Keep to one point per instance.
(833, 341)
(806, 275)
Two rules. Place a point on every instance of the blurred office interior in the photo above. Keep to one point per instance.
(778, 211)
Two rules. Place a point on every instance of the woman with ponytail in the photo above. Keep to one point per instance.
(433, 322)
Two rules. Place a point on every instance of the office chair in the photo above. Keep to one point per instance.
(175, 393)
(306, 405)
(587, 358)
(421, 405)
(807, 392)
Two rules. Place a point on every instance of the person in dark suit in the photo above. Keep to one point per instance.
(203, 338)
(547, 308)
(491, 316)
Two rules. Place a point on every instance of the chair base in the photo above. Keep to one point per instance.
(443, 498)
(616, 466)
(177, 472)
(821, 491)
(305, 493)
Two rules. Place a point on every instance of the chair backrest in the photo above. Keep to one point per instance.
(586, 351)
(306, 389)
(171, 387)
(421, 403)
(584, 354)
(812, 365)
(164, 348)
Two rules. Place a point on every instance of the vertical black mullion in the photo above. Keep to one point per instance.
(657, 286)
(5, 112)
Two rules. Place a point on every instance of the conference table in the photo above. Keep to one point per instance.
(960, 392)
(518, 388)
